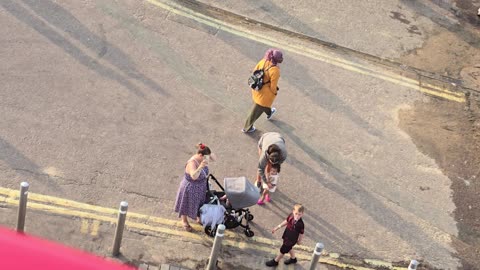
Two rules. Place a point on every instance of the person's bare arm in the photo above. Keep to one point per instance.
(300, 238)
(195, 171)
(268, 168)
(279, 226)
(262, 164)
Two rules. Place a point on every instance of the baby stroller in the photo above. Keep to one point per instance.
(240, 194)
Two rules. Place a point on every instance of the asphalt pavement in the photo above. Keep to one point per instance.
(104, 101)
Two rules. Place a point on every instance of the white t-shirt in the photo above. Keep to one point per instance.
(274, 180)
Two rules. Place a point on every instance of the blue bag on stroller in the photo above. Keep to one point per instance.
(212, 213)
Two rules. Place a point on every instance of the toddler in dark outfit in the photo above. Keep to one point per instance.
(292, 235)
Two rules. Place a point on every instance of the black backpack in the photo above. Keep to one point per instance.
(255, 81)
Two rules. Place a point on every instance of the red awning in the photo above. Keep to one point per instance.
(25, 252)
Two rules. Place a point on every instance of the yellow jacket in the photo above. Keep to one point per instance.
(265, 96)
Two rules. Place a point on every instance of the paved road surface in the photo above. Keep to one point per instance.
(104, 101)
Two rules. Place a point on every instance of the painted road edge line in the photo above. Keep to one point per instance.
(49, 200)
(144, 227)
(49, 208)
(315, 54)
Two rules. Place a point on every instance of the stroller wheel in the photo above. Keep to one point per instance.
(249, 233)
(249, 217)
(210, 232)
(231, 222)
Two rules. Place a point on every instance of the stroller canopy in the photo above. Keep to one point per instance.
(240, 192)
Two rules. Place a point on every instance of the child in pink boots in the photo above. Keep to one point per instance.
(271, 173)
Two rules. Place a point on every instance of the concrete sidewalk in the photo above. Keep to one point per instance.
(163, 247)
(144, 266)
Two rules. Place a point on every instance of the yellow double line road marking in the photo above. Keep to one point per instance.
(86, 224)
(142, 222)
(368, 70)
(139, 221)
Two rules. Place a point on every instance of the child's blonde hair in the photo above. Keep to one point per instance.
(299, 208)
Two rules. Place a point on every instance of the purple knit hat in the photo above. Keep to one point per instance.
(275, 56)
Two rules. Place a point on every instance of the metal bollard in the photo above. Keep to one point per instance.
(212, 261)
(122, 216)
(22, 206)
(316, 255)
(413, 265)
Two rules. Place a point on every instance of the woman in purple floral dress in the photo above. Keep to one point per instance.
(192, 190)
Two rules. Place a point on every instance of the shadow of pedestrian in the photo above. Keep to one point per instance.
(308, 85)
(357, 194)
(317, 228)
(255, 136)
(298, 76)
(24, 166)
(65, 21)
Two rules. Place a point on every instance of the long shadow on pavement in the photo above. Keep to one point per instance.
(24, 166)
(65, 21)
(317, 228)
(25, 16)
(358, 195)
(255, 50)
(298, 75)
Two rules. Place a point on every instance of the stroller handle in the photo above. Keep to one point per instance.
(216, 181)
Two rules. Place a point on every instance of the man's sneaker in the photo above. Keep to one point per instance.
(290, 261)
(250, 130)
(271, 263)
(274, 110)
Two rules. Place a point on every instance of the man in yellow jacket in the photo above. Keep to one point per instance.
(263, 98)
